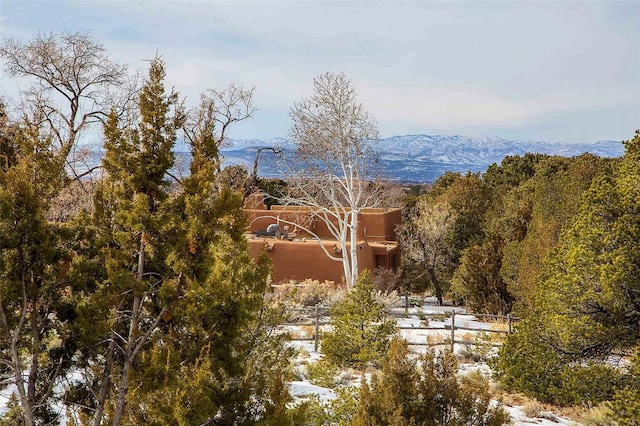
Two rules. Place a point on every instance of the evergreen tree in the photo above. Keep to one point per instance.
(478, 282)
(36, 312)
(587, 296)
(626, 402)
(129, 297)
(201, 349)
(590, 292)
(554, 193)
(361, 328)
(438, 228)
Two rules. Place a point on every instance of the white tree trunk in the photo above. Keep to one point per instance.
(335, 156)
(353, 228)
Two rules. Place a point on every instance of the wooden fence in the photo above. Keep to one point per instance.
(316, 317)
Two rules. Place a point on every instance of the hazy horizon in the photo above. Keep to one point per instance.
(536, 71)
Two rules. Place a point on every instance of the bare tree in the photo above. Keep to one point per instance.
(254, 172)
(425, 240)
(333, 163)
(74, 84)
(206, 129)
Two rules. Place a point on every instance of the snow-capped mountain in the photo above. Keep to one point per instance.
(422, 158)
(467, 150)
(253, 144)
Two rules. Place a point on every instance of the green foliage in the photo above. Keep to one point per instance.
(12, 415)
(201, 345)
(275, 188)
(361, 328)
(625, 404)
(478, 282)
(528, 364)
(438, 227)
(322, 373)
(503, 226)
(626, 407)
(139, 155)
(477, 349)
(336, 412)
(554, 193)
(512, 172)
(425, 391)
(524, 365)
(36, 310)
(589, 294)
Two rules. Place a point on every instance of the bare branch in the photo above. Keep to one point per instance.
(333, 162)
(206, 127)
(74, 81)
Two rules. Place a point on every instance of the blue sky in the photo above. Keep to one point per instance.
(553, 71)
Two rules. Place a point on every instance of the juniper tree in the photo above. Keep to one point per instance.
(361, 328)
(626, 401)
(200, 351)
(36, 337)
(587, 297)
(129, 301)
(425, 390)
(232, 369)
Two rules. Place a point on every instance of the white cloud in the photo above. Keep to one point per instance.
(432, 64)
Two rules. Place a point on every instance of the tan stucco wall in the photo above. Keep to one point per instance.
(379, 224)
(297, 260)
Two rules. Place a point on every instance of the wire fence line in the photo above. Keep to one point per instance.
(308, 324)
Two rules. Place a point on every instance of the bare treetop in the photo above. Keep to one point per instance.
(75, 82)
(333, 164)
(206, 128)
(332, 125)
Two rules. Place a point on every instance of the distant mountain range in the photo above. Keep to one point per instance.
(422, 158)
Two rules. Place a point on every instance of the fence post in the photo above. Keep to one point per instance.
(509, 322)
(315, 337)
(453, 329)
(406, 303)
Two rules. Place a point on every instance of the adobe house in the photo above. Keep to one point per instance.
(297, 255)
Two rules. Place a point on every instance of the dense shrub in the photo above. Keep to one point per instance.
(527, 364)
(425, 391)
(387, 280)
(626, 402)
(336, 412)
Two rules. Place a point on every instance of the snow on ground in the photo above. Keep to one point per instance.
(303, 388)
(418, 318)
(546, 419)
(5, 394)
(300, 389)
